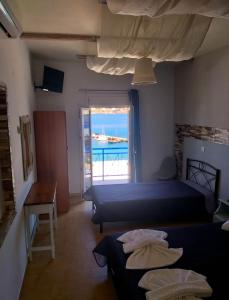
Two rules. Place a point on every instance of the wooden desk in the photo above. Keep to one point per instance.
(41, 200)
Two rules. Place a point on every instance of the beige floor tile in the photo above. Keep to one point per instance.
(74, 273)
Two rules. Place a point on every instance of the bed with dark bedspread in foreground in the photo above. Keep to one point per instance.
(205, 250)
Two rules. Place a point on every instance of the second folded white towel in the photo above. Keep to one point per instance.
(171, 284)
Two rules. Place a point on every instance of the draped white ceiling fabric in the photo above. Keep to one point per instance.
(156, 8)
(167, 38)
(112, 66)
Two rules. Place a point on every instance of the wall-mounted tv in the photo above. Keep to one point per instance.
(53, 80)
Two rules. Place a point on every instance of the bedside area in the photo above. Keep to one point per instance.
(222, 213)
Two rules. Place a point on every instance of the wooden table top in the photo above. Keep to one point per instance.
(41, 193)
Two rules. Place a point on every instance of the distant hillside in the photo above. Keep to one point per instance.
(112, 110)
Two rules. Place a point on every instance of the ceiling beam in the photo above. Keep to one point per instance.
(59, 36)
(78, 37)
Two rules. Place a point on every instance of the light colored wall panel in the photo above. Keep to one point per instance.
(156, 110)
(202, 89)
(15, 73)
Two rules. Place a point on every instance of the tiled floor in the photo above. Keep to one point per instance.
(74, 273)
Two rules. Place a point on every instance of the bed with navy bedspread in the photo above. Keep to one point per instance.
(205, 250)
(159, 201)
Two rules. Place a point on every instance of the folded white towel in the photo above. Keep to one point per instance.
(168, 284)
(150, 296)
(225, 226)
(144, 241)
(153, 256)
(138, 233)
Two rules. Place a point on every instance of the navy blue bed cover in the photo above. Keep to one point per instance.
(159, 201)
(206, 251)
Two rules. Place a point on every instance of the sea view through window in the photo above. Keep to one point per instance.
(110, 143)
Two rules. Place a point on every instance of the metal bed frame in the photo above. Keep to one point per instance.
(204, 175)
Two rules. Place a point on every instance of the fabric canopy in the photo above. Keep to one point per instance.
(171, 38)
(155, 8)
(112, 66)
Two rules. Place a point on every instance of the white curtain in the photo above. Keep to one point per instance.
(156, 8)
(171, 38)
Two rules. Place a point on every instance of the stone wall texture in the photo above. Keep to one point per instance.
(6, 170)
(211, 134)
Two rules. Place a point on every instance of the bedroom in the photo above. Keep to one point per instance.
(162, 106)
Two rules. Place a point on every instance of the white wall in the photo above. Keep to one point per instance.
(15, 73)
(202, 90)
(156, 110)
(157, 121)
(201, 93)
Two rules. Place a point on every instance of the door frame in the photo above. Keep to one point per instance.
(82, 169)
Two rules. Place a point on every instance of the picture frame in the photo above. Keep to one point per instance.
(26, 142)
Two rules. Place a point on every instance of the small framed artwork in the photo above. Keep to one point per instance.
(26, 142)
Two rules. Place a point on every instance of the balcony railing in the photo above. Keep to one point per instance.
(110, 163)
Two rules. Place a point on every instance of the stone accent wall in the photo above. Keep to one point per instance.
(8, 203)
(211, 134)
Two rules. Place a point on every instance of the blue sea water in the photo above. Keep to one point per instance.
(112, 125)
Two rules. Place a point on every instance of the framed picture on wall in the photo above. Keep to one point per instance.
(26, 142)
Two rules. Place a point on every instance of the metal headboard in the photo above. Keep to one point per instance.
(203, 174)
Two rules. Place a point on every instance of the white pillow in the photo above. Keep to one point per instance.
(225, 226)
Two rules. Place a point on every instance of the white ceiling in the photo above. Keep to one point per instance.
(83, 17)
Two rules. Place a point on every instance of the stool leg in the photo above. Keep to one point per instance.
(55, 214)
(28, 237)
(51, 234)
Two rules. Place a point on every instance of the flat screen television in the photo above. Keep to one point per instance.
(53, 80)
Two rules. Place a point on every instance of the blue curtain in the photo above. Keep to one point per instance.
(136, 137)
